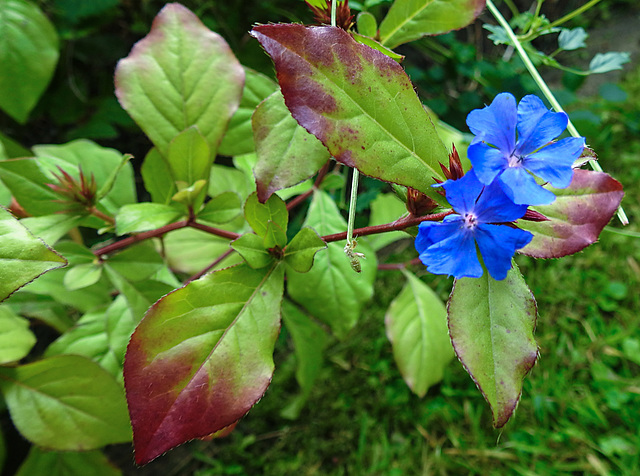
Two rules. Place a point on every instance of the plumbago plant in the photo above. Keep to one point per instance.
(182, 298)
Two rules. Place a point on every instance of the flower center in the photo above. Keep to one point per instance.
(470, 221)
(515, 160)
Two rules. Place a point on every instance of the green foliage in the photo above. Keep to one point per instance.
(191, 289)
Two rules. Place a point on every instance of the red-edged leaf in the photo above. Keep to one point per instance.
(181, 74)
(359, 102)
(577, 216)
(491, 326)
(202, 357)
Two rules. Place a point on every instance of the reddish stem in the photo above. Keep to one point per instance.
(214, 231)
(301, 198)
(121, 244)
(399, 224)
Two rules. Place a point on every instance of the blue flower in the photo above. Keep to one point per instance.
(495, 152)
(449, 247)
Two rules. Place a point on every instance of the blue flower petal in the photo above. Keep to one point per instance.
(455, 256)
(537, 125)
(554, 162)
(547, 128)
(463, 193)
(495, 206)
(498, 244)
(496, 123)
(487, 161)
(521, 187)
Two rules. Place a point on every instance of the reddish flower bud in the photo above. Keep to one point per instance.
(533, 215)
(322, 13)
(418, 203)
(454, 172)
(76, 193)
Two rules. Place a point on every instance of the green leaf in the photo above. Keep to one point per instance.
(491, 325)
(16, 340)
(416, 323)
(139, 217)
(23, 257)
(275, 236)
(113, 176)
(258, 214)
(572, 39)
(331, 291)
(181, 74)
(251, 248)
(75, 10)
(88, 338)
(238, 139)
(82, 275)
(605, 62)
(212, 341)
(222, 208)
(386, 208)
(157, 178)
(309, 342)
(371, 43)
(303, 247)
(409, 20)
(27, 183)
(50, 228)
(43, 309)
(189, 158)
(66, 402)
(101, 162)
(53, 463)
(28, 55)
(359, 102)
(137, 263)
(498, 34)
(193, 195)
(287, 153)
(225, 178)
(190, 251)
(367, 24)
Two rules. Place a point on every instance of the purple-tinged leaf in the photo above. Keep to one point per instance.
(287, 153)
(577, 216)
(202, 357)
(409, 20)
(359, 102)
(181, 74)
(491, 325)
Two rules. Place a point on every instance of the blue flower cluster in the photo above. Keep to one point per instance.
(511, 145)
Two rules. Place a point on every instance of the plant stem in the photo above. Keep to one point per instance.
(121, 244)
(215, 263)
(106, 218)
(230, 235)
(352, 205)
(400, 224)
(543, 87)
(574, 13)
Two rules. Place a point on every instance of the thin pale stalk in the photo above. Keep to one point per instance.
(543, 87)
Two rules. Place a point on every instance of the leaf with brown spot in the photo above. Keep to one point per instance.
(359, 102)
